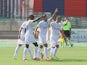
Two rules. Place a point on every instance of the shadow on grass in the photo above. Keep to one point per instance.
(70, 60)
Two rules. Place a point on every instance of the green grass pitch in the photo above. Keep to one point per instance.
(67, 56)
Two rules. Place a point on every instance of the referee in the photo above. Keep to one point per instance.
(67, 32)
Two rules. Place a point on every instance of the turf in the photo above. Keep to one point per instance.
(67, 56)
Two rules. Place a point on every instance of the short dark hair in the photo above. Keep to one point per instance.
(44, 15)
(59, 17)
(30, 17)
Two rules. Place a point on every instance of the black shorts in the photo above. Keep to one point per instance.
(67, 33)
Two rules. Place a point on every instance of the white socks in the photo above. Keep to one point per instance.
(24, 53)
(45, 52)
(35, 52)
(16, 51)
(39, 52)
(31, 54)
(53, 51)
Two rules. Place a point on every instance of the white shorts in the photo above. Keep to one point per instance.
(54, 40)
(21, 41)
(42, 39)
(22, 37)
(29, 39)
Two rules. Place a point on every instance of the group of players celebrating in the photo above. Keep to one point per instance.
(57, 35)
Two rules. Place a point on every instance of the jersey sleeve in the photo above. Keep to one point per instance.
(52, 24)
(30, 21)
(39, 24)
(23, 25)
(49, 20)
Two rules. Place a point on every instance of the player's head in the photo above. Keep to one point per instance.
(58, 19)
(65, 21)
(44, 17)
(65, 18)
(31, 17)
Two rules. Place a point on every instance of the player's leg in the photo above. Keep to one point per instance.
(27, 49)
(55, 50)
(66, 41)
(69, 38)
(35, 57)
(51, 52)
(46, 52)
(62, 43)
(25, 52)
(65, 38)
(69, 42)
(40, 54)
(51, 46)
(30, 52)
(16, 50)
(59, 40)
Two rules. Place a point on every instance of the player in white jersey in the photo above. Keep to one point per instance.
(55, 27)
(29, 38)
(43, 27)
(21, 38)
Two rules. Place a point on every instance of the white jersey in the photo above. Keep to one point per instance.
(22, 33)
(29, 29)
(43, 27)
(24, 27)
(29, 37)
(54, 32)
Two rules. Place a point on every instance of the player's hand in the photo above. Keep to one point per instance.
(36, 34)
(56, 10)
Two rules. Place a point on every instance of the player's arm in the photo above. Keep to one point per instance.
(61, 30)
(37, 19)
(19, 33)
(36, 28)
(36, 32)
(56, 10)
